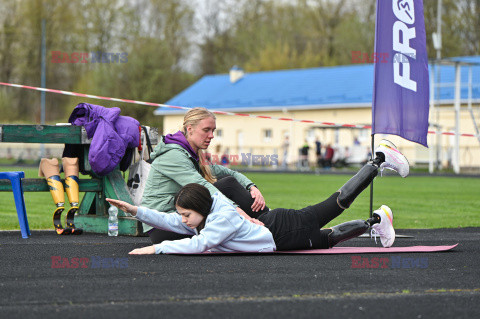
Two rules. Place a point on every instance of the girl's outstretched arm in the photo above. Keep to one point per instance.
(126, 207)
(149, 250)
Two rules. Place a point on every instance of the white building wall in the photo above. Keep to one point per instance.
(236, 129)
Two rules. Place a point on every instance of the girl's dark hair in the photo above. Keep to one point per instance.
(195, 197)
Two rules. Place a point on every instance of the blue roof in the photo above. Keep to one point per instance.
(315, 88)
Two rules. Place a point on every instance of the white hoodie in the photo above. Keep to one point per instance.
(225, 230)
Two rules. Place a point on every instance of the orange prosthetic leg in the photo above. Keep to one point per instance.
(70, 167)
(49, 169)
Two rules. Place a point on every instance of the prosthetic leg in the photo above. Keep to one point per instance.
(49, 169)
(387, 157)
(346, 231)
(356, 185)
(70, 168)
(348, 193)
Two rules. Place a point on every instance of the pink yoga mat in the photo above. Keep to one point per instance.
(349, 250)
(371, 250)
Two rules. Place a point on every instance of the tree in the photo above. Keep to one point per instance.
(164, 39)
(154, 71)
(265, 35)
(469, 10)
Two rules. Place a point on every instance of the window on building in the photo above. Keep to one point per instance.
(364, 135)
(267, 135)
(311, 135)
(218, 134)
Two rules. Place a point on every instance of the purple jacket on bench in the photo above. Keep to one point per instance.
(110, 132)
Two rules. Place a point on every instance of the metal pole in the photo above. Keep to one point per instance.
(439, 29)
(437, 71)
(456, 150)
(431, 150)
(371, 184)
(475, 126)
(43, 85)
(438, 136)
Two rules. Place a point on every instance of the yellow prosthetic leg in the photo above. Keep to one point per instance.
(70, 167)
(50, 170)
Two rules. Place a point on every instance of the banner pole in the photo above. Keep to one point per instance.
(371, 184)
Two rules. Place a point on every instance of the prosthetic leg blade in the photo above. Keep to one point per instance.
(355, 185)
(346, 231)
(57, 222)
(70, 221)
(70, 167)
(50, 169)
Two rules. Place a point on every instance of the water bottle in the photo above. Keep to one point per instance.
(113, 221)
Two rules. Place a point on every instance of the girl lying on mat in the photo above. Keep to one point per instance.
(216, 225)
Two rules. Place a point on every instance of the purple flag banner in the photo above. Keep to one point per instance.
(401, 85)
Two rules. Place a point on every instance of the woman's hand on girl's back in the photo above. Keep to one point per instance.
(259, 201)
(256, 221)
(250, 219)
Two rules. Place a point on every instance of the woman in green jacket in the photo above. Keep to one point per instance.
(178, 160)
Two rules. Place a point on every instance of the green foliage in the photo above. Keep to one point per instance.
(277, 56)
(170, 43)
(152, 33)
(269, 35)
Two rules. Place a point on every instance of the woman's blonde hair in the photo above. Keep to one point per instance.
(193, 117)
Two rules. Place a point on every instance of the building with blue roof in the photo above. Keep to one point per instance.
(340, 94)
(316, 88)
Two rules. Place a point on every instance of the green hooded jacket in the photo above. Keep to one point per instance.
(172, 168)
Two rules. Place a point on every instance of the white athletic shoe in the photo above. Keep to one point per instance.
(394, 160)
(384, 229)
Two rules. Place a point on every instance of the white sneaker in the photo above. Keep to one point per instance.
(384, 229)
(394, 160)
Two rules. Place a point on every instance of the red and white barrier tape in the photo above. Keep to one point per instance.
(216, 112)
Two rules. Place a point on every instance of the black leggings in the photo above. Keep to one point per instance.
(233, 190)
(229, 187)
(300, 229)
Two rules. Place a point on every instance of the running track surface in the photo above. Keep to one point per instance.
(410, 285)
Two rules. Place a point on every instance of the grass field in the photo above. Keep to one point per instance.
(417, 201)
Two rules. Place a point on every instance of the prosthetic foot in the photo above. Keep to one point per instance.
(346, 231)
(383, 227)
(356, 185)
(392, 158)
(50, 170)
(70, 167)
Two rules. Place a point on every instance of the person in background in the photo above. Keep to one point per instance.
(304, 155)
(285, 146)
(225, 161)
(318, 151)
(327, 159)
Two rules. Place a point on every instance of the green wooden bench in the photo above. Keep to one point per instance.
(92, 215)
